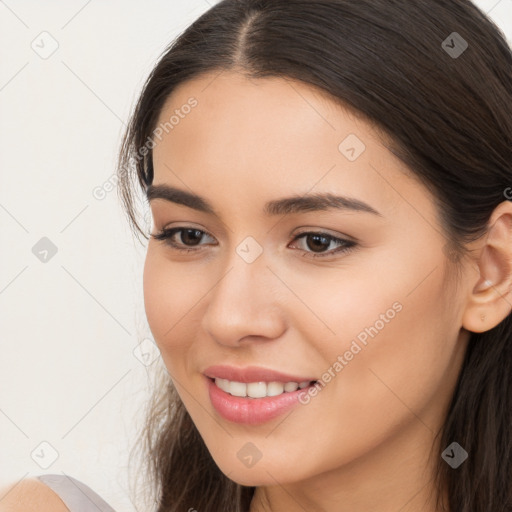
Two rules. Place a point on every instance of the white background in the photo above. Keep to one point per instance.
(69, 326)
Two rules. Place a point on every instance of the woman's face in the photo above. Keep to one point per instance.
(376, 324)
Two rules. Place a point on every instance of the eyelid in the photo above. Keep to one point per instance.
(347, 244)
(166, 234)
(303, 230)
(326, 232)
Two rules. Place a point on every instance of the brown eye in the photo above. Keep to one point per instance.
(190, 237)
(316, 242)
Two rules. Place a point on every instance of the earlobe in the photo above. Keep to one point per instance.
(490, 299)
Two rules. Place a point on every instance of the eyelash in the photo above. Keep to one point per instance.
(166, 234)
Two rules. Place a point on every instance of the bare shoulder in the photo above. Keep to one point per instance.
(30, 495)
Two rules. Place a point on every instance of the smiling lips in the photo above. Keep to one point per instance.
(253, 395)
(252, 374)
(258, 389)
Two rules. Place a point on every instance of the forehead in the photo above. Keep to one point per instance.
(272, 137)
(277, 104)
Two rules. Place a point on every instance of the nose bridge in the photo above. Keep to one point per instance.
(246, 268)
(242, 302)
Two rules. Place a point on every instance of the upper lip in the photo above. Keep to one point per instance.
(252, 374)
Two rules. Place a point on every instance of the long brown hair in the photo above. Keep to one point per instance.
(436, 78)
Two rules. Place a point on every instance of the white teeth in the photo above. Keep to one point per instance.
(223, 384)
(276, 388)
(291, 386)
(238, 388)
(258, 389)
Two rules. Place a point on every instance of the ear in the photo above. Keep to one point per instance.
(490, 301)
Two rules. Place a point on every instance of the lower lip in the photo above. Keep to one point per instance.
(251, 411)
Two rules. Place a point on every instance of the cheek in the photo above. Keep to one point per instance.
(155, 296)
(400, 345)
(171, 297)
(395, 331)
(340, 306)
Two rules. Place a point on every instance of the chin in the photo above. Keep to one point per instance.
(263, 473)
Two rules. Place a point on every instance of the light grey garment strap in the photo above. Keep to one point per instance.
(75, 494)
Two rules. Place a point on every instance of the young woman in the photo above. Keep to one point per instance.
(328, 276)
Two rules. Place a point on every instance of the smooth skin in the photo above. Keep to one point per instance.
(30, 495)
(363, 442)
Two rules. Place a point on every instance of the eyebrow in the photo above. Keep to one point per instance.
(283, 206)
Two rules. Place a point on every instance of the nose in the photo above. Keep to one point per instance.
(246, 303)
